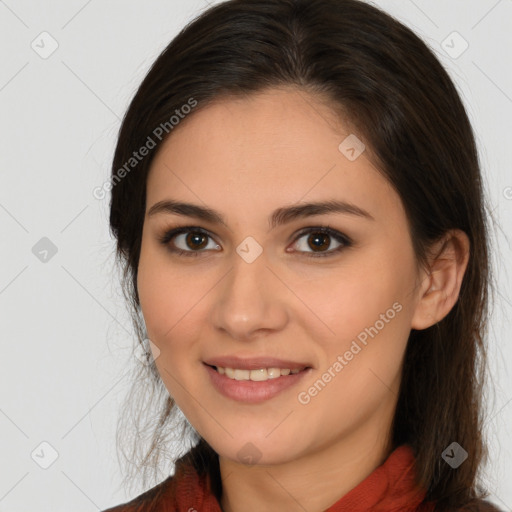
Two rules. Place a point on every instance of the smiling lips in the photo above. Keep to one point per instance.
(257, 369)
(254, 380)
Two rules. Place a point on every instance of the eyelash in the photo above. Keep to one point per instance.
(339, 237)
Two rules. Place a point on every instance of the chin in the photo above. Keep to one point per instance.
(257, 451)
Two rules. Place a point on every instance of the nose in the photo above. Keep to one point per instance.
(250, 301)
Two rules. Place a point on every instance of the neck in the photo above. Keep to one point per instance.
(312, 482)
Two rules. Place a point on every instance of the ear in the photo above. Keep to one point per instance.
(441, 285)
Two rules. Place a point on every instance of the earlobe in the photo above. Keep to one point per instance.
(441, 287)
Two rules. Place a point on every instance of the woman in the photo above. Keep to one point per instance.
(298, 207)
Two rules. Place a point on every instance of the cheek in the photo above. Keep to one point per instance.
(360, 363)
(346, 300)
(168, 296)
(171, 306)
(365, 314)
(157, 304)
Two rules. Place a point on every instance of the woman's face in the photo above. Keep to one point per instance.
(263, 286)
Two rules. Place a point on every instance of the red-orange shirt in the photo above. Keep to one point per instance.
(390, 487)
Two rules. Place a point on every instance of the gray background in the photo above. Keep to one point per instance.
(66, 337)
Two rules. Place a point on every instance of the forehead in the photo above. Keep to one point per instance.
(272, 148)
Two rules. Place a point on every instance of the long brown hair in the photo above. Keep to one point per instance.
(394, 91)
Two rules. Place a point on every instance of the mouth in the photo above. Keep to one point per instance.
(257, 374)
(254, 385)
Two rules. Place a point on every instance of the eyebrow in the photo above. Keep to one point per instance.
(279, 216)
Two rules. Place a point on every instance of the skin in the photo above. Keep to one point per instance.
(245, 158)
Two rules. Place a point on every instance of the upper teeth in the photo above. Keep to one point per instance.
(257, 375)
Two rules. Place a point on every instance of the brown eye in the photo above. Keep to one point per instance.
(188, 241)
(196, 240)
(318, 241)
